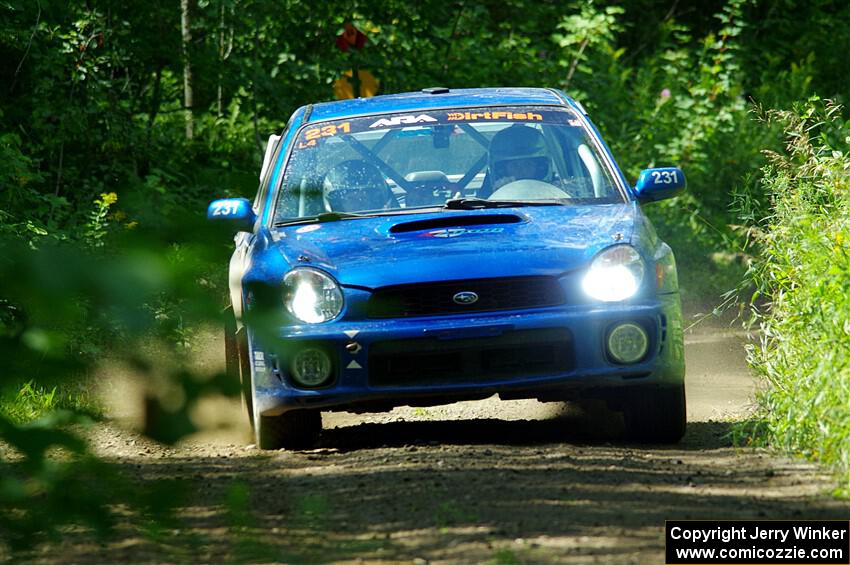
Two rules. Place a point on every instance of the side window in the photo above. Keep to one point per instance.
(266, 178)
(301, 189)
(575, 162)
(590, 177)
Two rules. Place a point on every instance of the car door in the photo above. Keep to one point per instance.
(244, 240)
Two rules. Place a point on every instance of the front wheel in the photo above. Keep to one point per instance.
(296, 429)
(244, 371)
(655, 415)
(238, 361)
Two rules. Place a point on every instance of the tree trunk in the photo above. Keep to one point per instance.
(188, 95)
(255, 63)
(221, 57)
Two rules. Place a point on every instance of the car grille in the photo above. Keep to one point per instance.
(437, 299)
(525, 353)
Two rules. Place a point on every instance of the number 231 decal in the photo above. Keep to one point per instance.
(225, 209)
(312, 135)
(664, 177)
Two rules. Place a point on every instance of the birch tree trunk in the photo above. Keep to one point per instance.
(188, 95)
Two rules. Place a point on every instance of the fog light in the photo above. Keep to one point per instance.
(311, 367)
(627, 343)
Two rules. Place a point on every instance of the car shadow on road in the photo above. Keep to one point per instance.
(700, 435)
(453, 491)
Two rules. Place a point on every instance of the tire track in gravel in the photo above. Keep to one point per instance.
(474, 482)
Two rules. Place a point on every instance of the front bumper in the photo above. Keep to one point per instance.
(544, 353)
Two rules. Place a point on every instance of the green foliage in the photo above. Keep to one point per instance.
(50, 482)
(95, 228)
(683, 105)
(802, 274)
(249, 547)
(55, 481)
(451, 514)
(505, 557)
(57, 299)
(101, 249)
(581, 34)
(31, 401)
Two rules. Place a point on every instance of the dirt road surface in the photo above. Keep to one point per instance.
(475, 482)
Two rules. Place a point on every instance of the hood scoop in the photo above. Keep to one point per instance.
(456, 222)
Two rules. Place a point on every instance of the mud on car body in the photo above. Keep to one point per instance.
(424, 248)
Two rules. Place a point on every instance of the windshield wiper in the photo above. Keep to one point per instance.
(323, 217)
(453, 204)
(336, 216)
(480, 203)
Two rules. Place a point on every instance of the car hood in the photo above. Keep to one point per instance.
(453, 245)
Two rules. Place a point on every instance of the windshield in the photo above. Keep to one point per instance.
(498, 156)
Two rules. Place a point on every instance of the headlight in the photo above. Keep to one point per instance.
(311, 295)
(614, 275)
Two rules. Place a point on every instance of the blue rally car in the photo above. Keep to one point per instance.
(429, 247)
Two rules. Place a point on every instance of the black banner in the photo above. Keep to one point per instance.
(758, 542)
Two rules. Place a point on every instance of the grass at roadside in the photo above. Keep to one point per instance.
(803, 270)
(23, 402)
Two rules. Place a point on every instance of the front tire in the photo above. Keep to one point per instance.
(231, 349)
(245, 373)
(238, 361)
(296, 429)
(656, 415)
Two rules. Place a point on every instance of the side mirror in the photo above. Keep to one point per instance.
(236, 211)
(660, 184)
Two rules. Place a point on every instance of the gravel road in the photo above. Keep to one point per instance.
(475, 482)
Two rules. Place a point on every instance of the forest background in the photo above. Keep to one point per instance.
(119, 121)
